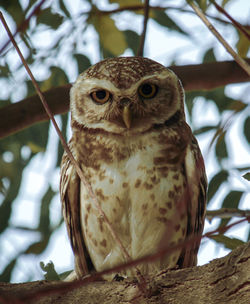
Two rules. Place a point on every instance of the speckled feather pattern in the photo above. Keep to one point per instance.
(149, 180)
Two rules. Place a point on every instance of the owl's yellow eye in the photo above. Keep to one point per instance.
(100, 96)
(147, 90)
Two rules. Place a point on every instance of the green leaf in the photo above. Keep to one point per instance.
(64, 8)
(243, 44)
(5, 276)
(14, 9)
(215, 183)
(247, 176)
(125, 3)
(37, 247)
(111, 39)
(232, 200)
(35, 137)
(224, 2)
(237, 106)
(83, 62)
(51, 274)
(163, 19)
(229, 243)
(4, 70)
(64, 275)
(209, 56)
(133, 40)
(203, 4)
(221, 100)
(190, 97)
(242, 168)
(47, 17)
(13, 173)
(221, 147)
(57, 78)
(204, 130)
(247, 129)
(60, 150)
(44, 224)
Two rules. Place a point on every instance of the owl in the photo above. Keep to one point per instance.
(131, 140)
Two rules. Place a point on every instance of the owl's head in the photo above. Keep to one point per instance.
(126, 95)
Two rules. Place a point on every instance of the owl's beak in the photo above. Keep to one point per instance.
(127, 116)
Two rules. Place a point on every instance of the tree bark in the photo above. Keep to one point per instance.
(206, 76)
(224, 280)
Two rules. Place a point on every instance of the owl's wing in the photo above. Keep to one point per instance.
(196, 200)
(70, 198)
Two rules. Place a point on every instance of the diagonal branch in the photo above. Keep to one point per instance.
(24, 24)
(235, 23)
(229, 49)
(77, 167)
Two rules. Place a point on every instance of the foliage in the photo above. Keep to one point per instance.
(58, 60)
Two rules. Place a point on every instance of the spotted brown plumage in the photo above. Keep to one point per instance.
(130, 137)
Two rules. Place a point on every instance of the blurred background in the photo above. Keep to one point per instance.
(62, 39)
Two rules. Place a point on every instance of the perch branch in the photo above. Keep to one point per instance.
(224, 280)
(65, 287)
(207, 76)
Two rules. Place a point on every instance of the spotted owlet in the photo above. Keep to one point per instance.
(130, 137)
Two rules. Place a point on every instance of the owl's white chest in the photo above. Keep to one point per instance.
(143, 201)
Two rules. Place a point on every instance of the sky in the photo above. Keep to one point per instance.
(160, 46)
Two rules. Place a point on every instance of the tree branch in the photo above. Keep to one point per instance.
(245, 66)
(143, 34)
(226, 213)
(234, 22)
(224, 280)
(207, 76)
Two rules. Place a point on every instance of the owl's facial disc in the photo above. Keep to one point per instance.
(125, 100)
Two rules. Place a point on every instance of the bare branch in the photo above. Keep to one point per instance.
(235, 23)
(226, 213)
(138, 7)
(237, 58)
(24, 24)
(143, 34)
(20, 115)
(71, 157)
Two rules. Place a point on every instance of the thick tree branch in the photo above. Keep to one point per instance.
(20, 115)
(225, 280)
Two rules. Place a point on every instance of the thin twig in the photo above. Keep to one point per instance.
(24, 23)
(143, 34)
(237, 58)
(226, 213)
(66, 148)
(236, 23)
(138, 7)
